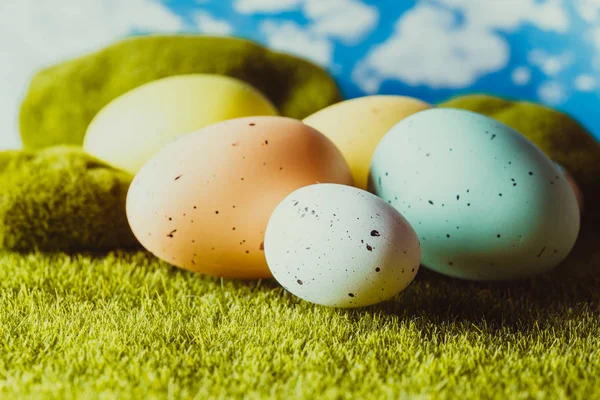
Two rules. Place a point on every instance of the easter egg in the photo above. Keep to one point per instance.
(203, 202)
(340, 246)
(356, 126)
(486, 203)
(135, 126)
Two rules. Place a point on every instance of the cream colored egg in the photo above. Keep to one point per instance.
(356, 126)
(135, 126)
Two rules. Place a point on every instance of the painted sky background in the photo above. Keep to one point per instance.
(540, 50)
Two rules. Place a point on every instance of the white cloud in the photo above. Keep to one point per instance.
(290, 37)
(509, 14)
(588, 10)
(586, 83)
(206, 23)
(593, 35)
(439, 56)
(550, 64)
(36, 33)
(347, 20)
(521, 75)
(551, 93)
(430, 46)
(264, 6)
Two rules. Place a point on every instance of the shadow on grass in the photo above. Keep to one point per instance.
(518, 305)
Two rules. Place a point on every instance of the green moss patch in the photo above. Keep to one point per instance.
(63, 99)
(561, 137)
(61, 198)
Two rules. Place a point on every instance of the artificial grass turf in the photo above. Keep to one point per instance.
(124, 325)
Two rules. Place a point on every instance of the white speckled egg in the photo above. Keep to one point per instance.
(340, 246)
(487, 204)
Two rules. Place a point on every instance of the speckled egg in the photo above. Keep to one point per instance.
(487, 204)
(203, 202)
(355, 126)
(340, 246)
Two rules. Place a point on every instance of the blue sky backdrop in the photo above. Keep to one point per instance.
(541, 50)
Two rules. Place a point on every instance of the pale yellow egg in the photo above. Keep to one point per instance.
(356, 126)
(137, 125)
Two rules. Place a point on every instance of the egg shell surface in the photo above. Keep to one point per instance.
(487, 204)
(136, 125)
(356, 126)
(203, 202)
(340, 246)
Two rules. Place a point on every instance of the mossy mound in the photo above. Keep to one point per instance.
(60, 198)
(63, 99)
(561, 137)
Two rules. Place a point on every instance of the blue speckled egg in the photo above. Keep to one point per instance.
(486, 203)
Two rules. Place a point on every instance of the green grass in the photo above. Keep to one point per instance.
(124, 325)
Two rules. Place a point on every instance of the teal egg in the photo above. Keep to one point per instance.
(486, 203)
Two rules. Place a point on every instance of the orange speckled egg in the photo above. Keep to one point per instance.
(203, 202)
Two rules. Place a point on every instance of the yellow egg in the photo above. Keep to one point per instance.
(135, 126)
(356, 126)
